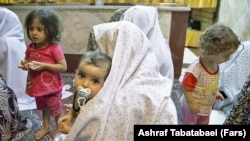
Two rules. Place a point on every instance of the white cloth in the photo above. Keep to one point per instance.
(233, 75)
(133, 93)
(12, 51)
(146, 18)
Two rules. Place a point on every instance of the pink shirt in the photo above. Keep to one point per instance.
(45, 82)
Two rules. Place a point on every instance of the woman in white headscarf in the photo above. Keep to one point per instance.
(146, 18)
(134, 92)
(233, 75)
(12, 50)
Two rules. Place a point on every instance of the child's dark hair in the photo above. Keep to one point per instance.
(50, 20)
(218, 38)
(97, 59)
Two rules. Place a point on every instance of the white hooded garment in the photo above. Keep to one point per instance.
(12, 51)
(134, 92)
(233, 75)
(146, 18)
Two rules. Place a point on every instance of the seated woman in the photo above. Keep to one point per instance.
(12, 122)
(134, 92)
(240, 112)
(146, 18)
(233, 74)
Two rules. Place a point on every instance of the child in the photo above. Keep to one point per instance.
(200, 82)
(91, 73)
(44, 61)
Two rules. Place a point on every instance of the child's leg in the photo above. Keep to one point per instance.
(188, 118)
(46, 125)
(203, 120)
(55, 107)
(56, 119)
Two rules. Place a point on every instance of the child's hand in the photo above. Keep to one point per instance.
(36, 66)
(219, 96)
(68, 107)
(194, 107)
(64, 127)
(64, 123)
(24, 65)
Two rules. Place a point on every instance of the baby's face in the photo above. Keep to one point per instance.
(89, 76)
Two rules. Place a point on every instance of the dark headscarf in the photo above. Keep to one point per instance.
(92, 45)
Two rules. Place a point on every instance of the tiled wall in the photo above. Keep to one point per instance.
(236, 14)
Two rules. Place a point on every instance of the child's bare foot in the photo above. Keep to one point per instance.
(39, 135)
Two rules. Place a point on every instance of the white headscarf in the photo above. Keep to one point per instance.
(12, 51)
(233, 75)
(133, 93)
(146, 18)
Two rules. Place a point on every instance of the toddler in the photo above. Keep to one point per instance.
(200, 82)
(44, 61)
(91, 73)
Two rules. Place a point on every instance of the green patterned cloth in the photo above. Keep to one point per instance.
(240, 112)
(92, 45)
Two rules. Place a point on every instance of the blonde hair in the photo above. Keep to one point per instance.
(216, 39)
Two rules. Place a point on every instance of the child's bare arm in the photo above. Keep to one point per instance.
(65, 122)
(193, 105)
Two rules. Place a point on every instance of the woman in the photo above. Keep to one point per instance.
(233, 74)
(146, 18)
(12, 121)
(12, 51)
(134, 92)
(240, 112)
